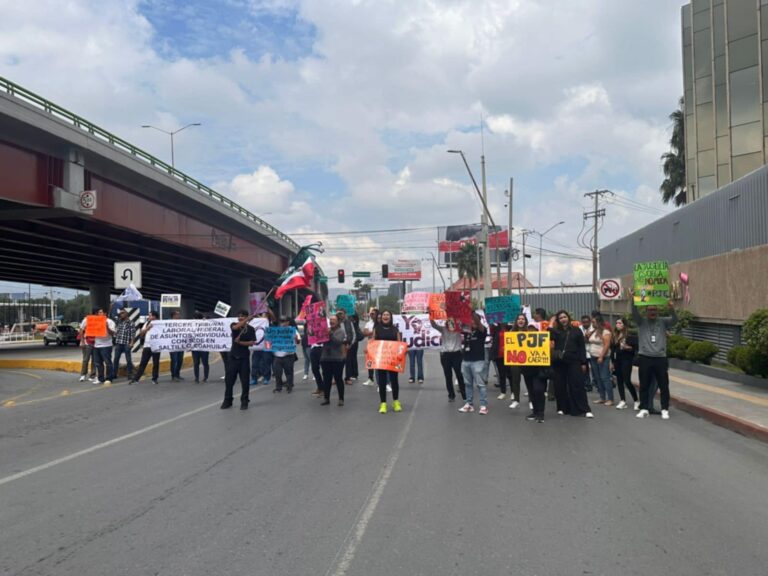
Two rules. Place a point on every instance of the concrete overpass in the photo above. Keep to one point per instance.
(189, 238)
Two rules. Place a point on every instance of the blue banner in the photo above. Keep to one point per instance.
(346, 302)
(281, 339)
(502, 309)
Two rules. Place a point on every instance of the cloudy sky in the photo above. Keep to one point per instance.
(335, 115)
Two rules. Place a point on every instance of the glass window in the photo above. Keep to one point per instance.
(741, 19)
(718, 30)
(745, 164)
(701, 20)
(743, 53)
(704, 90)
(747, 138)
(690, 135)
(686, 11)
(702, 54)
(723, 174)
(707, 163)
(721, 109)
(723, 149)
(745, 96)
(705, 128)
(707, 185)
(764, 21)
(688, 67)
(721, 73)
(699, 5)
(765, 67)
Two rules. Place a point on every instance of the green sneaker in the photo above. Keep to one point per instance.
(396, 406)
(383, 408)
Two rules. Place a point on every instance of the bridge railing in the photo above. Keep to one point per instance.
(79, 122)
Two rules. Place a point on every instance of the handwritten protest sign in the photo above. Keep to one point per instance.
(346, 302)
(95, 326)
(651, 283)
(281, 339)
(221, 309)
(213, 335)
(526, 349)
(458, 305)
(436, 307)
(304, 308)
(258, 302)
(260, 326)
(502, 309)
(417, 332)
(170, 300)
(386, 355)
(415, 302)
(317, 324)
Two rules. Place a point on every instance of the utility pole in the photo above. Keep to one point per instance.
(596, 214)
(487, 288)
(509, 233)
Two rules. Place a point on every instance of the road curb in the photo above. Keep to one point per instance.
(73, 366)
(743, 427)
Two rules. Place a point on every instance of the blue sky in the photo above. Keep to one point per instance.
(333, 115)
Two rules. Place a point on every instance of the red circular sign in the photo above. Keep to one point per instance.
(610, 289)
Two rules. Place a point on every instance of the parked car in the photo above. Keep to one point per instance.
(60, 335)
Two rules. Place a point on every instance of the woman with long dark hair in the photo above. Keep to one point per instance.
(569, 364)
(515, 373)
(332, 361)
(623, 356)
(599, 347)
(536, 381)
(385, 329)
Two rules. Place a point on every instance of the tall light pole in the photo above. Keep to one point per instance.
(172, 134)
(511, 195)
(541, 238)
(484, 221)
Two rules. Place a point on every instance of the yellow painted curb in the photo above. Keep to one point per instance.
(74, 366)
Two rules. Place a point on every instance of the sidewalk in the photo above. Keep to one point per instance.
(743, 409)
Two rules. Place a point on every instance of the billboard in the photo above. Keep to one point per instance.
(450, 239)
(404, 270)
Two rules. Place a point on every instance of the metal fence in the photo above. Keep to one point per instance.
(577, 303)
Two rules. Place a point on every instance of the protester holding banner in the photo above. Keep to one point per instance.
(473, 365)
(243, 337)
(200, 357)
(652, 358)
(86, 344)
(373, 318)
(569, 366)
(146, 351)
(536, 378)
(624, 346)
(599, 349)
(332, 361)
(101, 329)
(284, 356)
(513, 373)
(261, 359)
(386, 330)
(450, 356)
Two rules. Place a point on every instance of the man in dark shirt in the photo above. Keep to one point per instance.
(243, 336)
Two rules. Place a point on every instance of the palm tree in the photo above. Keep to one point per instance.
(673, 162)
(466, 262)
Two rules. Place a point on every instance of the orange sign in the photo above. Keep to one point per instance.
(436, 307)
(386, 355)
(95, 326)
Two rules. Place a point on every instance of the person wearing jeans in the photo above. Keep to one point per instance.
(473, 366)
(86, 345)
(416, 363)
(450, 357)
(623, 355)
(599, 354)
(652, 359)
(124, 337)
(102, 347)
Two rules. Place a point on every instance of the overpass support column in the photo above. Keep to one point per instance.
(100, 296)
(239, 294)
(187, 308)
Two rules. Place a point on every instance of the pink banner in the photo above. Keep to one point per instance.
(317, 324)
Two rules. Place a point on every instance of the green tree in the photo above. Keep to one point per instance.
(673, 188)
(467, 262)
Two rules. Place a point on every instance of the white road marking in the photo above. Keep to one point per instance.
(344, 559)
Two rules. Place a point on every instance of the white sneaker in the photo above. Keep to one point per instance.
(304, 377)
(368, 382)
(530, 405)
(94, 380)
(637, 406)
(525, 393)
(389, 388)
(501, 396)
(589, 415)
(107, 382)
(467, 408)
(665, 414)
(560, 412)
(643, 414)
(514, 404)
(621, 405)
(82, 378)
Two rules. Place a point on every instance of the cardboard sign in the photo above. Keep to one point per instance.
(346, 302)
(260, 326)
(610, 289)
(526, 349)
(386, 355)
(415, 302)
(213, 335)
(221, 309)
(96, 326)
(417, 332)
(436, 307)
(258, 303)
(502, 309)
(317, 324)
(281, 339)
(651, 283)
(458, 305)
(170, 300)
(304, 307)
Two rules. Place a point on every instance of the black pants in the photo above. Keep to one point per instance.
(623, 365)
(511, 373)
(384, 376)
(146, 354)
(197, 359)
(451, 362)
(352, 370)
(314, 362)
(652, 367)
(333, 370)
(283, 365)
(537, 390)
(570, 393)
(238, 366)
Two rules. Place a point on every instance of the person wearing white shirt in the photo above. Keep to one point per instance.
(102, 347)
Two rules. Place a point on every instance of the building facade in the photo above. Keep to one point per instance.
(725, 67)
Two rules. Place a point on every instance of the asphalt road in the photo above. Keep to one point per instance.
(140, 480)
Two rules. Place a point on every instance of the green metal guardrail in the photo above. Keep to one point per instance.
(55, 110)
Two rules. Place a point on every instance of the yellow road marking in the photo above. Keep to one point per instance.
(12, 400)
(35, 376)
(722, 391)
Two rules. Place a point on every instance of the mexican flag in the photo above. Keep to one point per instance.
(299, 274)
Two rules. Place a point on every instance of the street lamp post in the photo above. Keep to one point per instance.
(172, 134)
(484, 221)
(541, 238)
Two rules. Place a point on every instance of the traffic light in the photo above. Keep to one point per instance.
(341, 276)
(384, 270)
